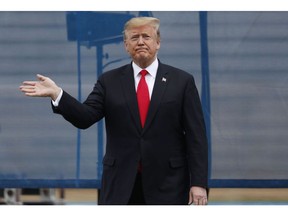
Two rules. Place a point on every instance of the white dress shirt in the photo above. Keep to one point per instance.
(150, 78)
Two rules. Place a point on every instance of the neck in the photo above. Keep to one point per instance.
(144, 63)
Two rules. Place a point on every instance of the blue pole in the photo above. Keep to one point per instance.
(78, 156)
(99, 49)
(205, 96)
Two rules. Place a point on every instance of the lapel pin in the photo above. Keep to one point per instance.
(164, 79)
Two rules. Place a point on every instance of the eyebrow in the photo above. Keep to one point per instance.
(138, 34)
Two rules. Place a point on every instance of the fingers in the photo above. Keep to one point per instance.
(29, 83)
(190, 199)
(28, 87)
(29, 90)
(201, 201)
(25, 84)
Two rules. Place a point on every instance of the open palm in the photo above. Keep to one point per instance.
(44, 87)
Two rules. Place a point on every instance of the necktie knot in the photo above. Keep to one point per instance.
(143, 73)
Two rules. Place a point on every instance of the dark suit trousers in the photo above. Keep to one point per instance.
(137, 196)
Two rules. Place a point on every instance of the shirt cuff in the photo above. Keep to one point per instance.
(56, 102)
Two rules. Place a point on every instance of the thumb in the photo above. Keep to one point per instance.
(41, 77)
(190, 198)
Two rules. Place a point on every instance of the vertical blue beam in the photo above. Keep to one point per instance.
(205, 93)
(79, 99)
(99, 55)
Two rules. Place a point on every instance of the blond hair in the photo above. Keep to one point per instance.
(142, 21)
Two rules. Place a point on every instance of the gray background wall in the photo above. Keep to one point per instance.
(248, 72)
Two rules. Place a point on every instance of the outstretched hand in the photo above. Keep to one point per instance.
(44, 87)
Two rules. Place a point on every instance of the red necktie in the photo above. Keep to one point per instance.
(143, 97)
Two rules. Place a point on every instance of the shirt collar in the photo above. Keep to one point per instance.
(152, 69)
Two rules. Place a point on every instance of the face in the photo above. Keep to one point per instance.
(142, 45)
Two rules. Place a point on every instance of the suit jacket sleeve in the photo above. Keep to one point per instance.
(83, 115)
(195, 135)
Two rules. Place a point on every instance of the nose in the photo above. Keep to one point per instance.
(140, 40)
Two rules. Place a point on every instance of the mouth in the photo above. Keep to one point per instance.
(141, 50)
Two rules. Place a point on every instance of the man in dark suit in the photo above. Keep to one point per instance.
(156, 150)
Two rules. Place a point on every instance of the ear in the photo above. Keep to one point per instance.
(158, 45)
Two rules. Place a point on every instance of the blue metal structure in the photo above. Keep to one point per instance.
(205, 92)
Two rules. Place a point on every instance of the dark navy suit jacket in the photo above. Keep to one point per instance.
(172, 145)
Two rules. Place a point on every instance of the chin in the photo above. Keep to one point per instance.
(142, 56)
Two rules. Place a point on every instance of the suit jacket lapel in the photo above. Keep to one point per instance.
(158, 91)
(128, 84)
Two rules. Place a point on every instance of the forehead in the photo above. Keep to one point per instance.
(141, 30)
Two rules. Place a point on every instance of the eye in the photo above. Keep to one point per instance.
(134, 38)
(146, 37)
